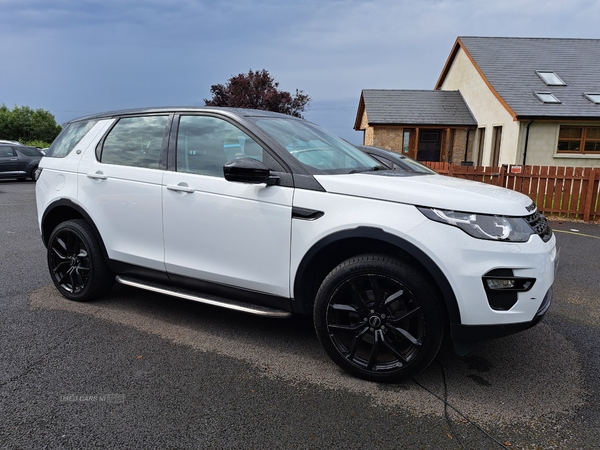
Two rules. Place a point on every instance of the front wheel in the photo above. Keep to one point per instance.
(379, 319)
(76, 264)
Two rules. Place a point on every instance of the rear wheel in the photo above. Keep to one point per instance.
(76, 264)
(379, 319)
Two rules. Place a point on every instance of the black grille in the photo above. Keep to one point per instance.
(540, 225)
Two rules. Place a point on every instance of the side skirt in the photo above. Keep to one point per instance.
(204, 298)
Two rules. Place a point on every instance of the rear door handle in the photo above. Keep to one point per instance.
(181, 188)
(97, 176)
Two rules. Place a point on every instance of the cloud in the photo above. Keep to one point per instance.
(73, 56)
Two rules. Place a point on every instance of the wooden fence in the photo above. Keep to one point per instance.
(570, 192)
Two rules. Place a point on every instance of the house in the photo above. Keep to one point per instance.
(534, 100)
(425, 125)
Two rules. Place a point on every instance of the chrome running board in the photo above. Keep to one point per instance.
(205, 298)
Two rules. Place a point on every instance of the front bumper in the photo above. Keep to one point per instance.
(467, 334)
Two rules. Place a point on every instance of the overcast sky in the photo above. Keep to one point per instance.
(76, 57)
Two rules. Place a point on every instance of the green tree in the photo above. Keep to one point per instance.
(257, 90)
(25, 124)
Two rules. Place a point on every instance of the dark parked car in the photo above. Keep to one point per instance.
(18, 161)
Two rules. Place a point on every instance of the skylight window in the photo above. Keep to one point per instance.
(550, 78)
(547, 97)
(593, 97)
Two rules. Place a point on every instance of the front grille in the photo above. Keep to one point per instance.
(540, 225)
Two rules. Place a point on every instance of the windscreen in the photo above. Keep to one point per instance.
(320, 151)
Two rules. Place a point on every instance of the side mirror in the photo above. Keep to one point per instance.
(248, 170)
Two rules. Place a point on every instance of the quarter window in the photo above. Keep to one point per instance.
(69, 138)
(579, 140)
(136, 142)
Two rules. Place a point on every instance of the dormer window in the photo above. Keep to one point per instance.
(546, 97)
(593, 97)
(550, 78)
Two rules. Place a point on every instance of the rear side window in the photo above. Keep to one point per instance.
(30, 151)
(135, 142)
(69, 138)
(7, 151)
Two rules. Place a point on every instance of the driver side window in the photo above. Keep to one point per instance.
(205, 144)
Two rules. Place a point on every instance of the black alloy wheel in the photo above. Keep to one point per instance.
(76, 264)
(379, 319)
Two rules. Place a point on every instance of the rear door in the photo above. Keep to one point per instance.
(224, 232)
(120, 182)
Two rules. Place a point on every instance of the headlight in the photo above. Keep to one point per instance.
(483, 226)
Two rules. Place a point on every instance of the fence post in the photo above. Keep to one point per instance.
(587, 211)
(502, 176)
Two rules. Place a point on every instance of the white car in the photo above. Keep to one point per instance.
(269, 214)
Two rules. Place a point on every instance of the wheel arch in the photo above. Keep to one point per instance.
(330, 251)
(62, 210)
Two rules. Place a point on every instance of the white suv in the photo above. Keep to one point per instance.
(268, 214)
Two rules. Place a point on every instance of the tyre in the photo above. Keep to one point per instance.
(76, 264)
(379, 319)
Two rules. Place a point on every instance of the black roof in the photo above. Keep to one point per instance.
(183, 109)
(509, 66)
(414, 107)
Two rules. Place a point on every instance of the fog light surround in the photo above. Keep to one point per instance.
(515, 284)
(501, 288)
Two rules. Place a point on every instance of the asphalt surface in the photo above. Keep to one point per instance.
(141, 370)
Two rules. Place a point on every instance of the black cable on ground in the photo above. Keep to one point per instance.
(448, 405)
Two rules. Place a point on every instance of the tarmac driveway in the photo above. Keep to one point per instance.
(141, 370)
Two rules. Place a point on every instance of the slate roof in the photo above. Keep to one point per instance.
(509, 65)
(409, 107)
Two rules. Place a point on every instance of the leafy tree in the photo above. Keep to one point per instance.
(25, 124)
(257, 90)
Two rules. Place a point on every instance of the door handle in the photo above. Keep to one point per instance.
(180, 188)
(97, 176)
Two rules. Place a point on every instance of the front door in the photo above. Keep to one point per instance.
(429, 145)
(224, 232)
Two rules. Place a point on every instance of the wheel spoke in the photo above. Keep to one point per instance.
(377, 336)
(355, 342)
(342, 307)
(394, 296)
(346, 328)
(59, 266)
(392, 349)
(62, 278)
(407, 335)
(58, 253)
(409, 315)
(377, 294)
(358, 300)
